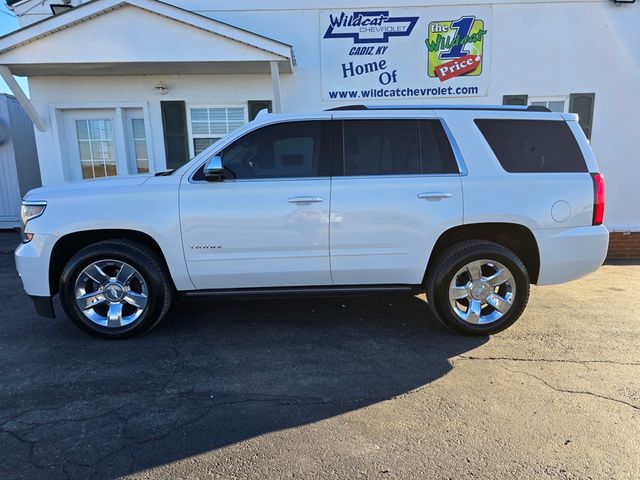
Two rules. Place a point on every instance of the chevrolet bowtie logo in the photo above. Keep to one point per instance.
(369, 27)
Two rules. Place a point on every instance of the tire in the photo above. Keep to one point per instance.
(111, 273)
(455, 287)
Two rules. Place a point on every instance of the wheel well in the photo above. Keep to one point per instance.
(68, 245)
(516, 238)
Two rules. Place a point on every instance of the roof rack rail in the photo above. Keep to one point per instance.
(518, 108)
(348, 107)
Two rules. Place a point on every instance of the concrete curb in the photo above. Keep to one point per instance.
(622, 261)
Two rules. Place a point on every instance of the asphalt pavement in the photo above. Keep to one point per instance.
(363, 387)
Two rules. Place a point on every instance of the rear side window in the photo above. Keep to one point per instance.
(381, 147)
(396, 147)
(436, 153)
(533, 146)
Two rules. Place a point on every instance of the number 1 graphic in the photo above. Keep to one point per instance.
(463, 27)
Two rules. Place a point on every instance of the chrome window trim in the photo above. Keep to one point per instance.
(399, 175)
(336, 177)
(253, 180)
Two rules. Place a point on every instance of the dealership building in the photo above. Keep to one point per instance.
(125, 87)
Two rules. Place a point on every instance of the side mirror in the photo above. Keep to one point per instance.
(213, 169)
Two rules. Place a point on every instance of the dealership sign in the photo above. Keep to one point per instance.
(405, 54)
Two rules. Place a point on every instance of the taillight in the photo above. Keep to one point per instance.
(598, 198)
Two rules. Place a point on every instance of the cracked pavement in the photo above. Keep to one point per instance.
(328, 388)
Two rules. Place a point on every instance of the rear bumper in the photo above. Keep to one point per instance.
(44, 306)
(570, 253)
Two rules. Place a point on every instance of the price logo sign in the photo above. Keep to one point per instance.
(455, 48)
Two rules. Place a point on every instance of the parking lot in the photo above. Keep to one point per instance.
(364, 387)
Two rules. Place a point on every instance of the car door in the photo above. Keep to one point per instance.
(267, 223)
(394, 191)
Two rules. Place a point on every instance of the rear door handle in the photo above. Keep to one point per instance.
(434, 195)
(303, 200)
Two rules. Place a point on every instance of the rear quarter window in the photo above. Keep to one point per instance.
(533, 146)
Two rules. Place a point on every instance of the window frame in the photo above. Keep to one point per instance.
(112, 119)
(192, 136)
(87, 110)
(129, 115)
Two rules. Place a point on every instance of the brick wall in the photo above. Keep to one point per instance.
(624, 245)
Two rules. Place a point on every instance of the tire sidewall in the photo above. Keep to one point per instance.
(488, 252)
(83, 259)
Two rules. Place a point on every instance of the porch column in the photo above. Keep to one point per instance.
(22, 98)
(275, 81)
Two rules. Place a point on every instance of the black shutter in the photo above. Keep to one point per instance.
(256, 105)
(515, 100)
(582, 104)
(174, 127)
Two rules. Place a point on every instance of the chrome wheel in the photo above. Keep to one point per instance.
(111, 293)
(482, 292)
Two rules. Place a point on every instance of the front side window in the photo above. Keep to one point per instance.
(533, 146)
(286, 150)
(208, 125)
(97, 148)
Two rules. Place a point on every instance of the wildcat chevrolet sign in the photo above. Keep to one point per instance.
(369, 27)
(401, 53)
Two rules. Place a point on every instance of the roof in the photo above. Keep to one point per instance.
(272, 50)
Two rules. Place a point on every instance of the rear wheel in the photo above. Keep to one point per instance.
(478, 287)
(115, 289)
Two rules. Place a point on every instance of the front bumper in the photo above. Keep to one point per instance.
(32, 264)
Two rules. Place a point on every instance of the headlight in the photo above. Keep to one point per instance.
(28, 211)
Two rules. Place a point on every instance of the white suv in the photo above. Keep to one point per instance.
(471, 204)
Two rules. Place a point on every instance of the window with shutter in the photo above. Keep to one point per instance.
(556, 103)
(515, 100)
(582, 104)
(208, 125)
(174, 126)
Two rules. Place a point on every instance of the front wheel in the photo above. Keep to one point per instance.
(115, 289)
(478, 287)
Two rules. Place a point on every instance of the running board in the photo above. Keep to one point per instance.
(284, 292)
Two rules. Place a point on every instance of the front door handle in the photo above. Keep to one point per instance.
(303, 200)
(434, 195)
